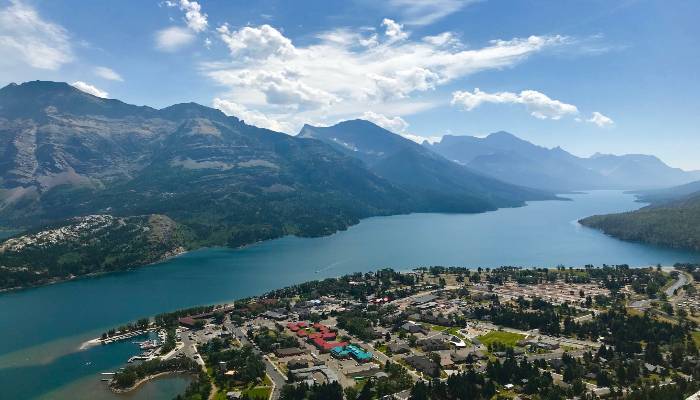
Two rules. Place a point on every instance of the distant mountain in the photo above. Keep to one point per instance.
(669, 194)
(423, 172)
(511, 159)
(672, 224)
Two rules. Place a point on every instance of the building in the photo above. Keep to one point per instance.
(274, 315)
(424, 364)
(351, 350)
(289, 352)
(398, 348)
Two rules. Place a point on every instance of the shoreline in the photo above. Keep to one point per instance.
(55, 280)
(140, 382)
(181, 250)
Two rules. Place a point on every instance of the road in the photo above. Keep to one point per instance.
(278, 380)
(680, 282)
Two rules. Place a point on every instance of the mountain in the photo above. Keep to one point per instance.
(635, 171)
(66, 154)
(511, 159)
(672, 224)
(669, 194)
(426, 174)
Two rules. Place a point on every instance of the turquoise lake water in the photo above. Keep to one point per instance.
(42, 328)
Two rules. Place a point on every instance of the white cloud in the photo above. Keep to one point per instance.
(394, 30)
(601, 120)
(422, 12)
(195, 19)
(539, 104)
(343, 73)
(395, 124)
(27, 39)
(108, 73)
(256, 43)
(88, 88)
(173, 38)
(250, 117)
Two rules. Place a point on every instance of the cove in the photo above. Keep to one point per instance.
(42, 328)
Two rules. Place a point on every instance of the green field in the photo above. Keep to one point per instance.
(507, 338)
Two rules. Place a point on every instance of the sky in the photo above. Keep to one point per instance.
(589, 76)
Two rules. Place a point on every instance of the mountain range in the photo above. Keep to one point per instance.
(66, 154)
(205, 178)
(511, 159)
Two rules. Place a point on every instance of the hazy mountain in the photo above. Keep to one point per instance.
(669, 194)
(511, 159)
(409, 165)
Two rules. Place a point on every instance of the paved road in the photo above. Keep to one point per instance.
(680, 282)
(277, 378)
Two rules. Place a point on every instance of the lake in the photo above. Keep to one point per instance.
(42, 328)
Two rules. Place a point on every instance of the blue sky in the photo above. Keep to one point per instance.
(608, 76)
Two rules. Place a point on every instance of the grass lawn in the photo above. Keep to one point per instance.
(696, 338)
(432, 327)
(454, 331)
(508, 338)
(258, 393)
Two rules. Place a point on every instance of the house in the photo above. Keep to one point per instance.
(426, 298)
(398, 347)
(412, 327)
(297, 364)
(433, 344)
(289, 352)
(274, 315)
(424, 364)
(234, 395)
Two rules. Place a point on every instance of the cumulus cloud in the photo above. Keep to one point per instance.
(108, 73)
(256, 43)
(28, 39)
(88, 88)
(394, 30)
(395, 124)
(194, 17)
(421, 12)
(250, 117)
(342, 73)
(601, 120)
(173, 38)
(540, 105)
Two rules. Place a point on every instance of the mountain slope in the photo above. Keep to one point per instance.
(672, 224)
(435, 179)
(83, 245)
(511, 159)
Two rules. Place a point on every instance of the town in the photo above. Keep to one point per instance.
(436, 333)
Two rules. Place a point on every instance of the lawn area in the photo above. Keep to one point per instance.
(454, 331)
(696, 338)
(508, 338)
(432, 327)
(258, 393)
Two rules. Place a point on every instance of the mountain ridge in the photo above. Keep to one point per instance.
(511, 159)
